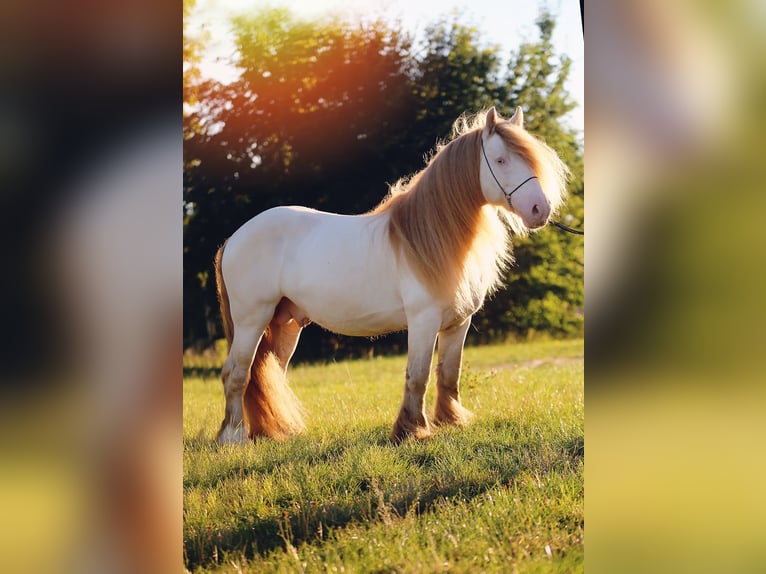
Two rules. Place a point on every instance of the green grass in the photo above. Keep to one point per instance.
(503, 495)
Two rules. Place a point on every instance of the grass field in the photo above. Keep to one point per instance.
(503, 495)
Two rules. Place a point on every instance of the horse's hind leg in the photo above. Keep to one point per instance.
(235, 374)
(448, 408)
(286, 327)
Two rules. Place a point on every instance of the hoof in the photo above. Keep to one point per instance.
(232, 435)
(452, 412)
(405, 429)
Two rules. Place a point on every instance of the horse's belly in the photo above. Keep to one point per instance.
(368, 326)
(349, 315)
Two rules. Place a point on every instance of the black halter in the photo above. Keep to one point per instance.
(515, 189)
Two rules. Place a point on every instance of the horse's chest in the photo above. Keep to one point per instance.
(468, 300)
(473, 292)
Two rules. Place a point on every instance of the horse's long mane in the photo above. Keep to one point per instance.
(455, 242)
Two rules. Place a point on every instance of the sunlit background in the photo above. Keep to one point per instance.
(326, 109)
(504, 24)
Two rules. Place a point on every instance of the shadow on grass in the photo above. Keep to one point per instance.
(306, 450)
(450, 466)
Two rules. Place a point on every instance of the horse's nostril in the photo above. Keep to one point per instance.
(535, 210)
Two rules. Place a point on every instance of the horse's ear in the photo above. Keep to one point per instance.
(491, 121)
(518, 117)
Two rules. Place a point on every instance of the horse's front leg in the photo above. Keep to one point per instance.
(412, 420)
(448, 408)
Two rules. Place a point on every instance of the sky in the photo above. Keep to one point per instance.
(507, 24)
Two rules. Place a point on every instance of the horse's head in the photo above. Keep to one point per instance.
(515, 170)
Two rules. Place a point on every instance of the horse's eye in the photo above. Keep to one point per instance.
(500, 161)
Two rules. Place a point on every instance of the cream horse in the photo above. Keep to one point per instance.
(423, 260)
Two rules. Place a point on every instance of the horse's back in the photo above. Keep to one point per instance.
(285, 230)
(271, 222)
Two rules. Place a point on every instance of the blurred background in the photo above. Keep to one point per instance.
(103, 105)
(90, 204)
(674, 286)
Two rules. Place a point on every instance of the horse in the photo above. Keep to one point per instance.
(423, 260)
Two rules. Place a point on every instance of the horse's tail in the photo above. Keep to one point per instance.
(223, 297)
(270, 406)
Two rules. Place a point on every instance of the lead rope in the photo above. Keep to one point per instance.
(567, 229)
(508, 195)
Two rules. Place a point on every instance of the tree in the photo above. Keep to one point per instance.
(312, 120)
(328, 113)
(545, 290)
